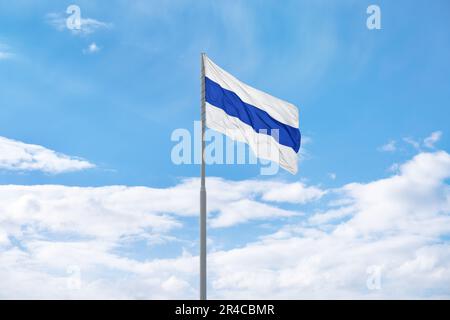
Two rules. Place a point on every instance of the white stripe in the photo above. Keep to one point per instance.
(263, 145)
(280, 110)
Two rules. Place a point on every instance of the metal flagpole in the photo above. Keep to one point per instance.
(203, 191)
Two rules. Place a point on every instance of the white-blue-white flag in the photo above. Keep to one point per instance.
(267, 124)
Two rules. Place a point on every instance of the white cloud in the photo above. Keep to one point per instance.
(388, 147)
(415, 144)
(306, 140)
(431, 140)
(401, 202)
(331, 215)
(400, 223)
(87, 25)
(244, 210)
(230, 202)
(45, 229)
(92, 48)
(105, 212)
(296, 192)
(117, 212)
(394, 167)
(16, 155)
(5, 52)
(5, 55)
(241, 201)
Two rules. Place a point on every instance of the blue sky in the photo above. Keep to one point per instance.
(115, 108)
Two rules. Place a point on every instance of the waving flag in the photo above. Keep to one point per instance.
(267, 124)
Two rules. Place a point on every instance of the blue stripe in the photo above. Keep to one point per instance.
(258, 119)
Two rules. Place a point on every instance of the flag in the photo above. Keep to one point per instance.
(269, 126)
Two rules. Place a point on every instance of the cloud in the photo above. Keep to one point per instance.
(244, 210)
(415, 144)
(431, 140)
(5, 55)
(16, 155)
(46, 229)
(108, 213)
(394, 167)
(230, 202)
(5, 52)
(399, 225)
(388, 147)
(87, 25)
(306, 140)
(238, 202)
(92, 48)
(116, 212)
(296, 192)
(400, 203)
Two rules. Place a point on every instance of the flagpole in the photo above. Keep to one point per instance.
(203, 191)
